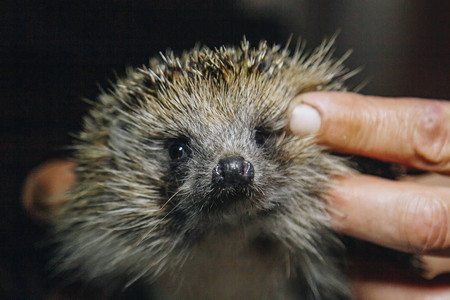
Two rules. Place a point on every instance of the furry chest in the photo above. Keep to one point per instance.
(229, 266)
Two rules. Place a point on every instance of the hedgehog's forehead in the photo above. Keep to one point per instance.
(246, 102)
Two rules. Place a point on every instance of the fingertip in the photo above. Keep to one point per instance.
(305, 120)
(43, 185)
(312, 111)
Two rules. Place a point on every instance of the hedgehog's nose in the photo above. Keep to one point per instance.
(233, 171)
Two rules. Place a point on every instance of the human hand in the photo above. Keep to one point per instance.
(407, 216)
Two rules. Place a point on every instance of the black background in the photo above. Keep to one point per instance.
(54, 53)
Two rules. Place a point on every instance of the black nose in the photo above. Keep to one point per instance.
(233, 171)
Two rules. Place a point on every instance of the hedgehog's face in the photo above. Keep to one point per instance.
(209, 167)
(224, 172)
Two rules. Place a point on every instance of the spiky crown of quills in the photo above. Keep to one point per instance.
(315, 71)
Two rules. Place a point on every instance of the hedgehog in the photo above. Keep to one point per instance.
(190, 187)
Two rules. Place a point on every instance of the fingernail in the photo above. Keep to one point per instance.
(305, 120)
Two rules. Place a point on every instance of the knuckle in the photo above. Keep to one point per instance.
(431, 137)
(426, 223)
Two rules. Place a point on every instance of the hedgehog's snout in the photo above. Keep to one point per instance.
(232, 171)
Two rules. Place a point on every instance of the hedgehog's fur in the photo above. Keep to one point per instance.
(136, 215)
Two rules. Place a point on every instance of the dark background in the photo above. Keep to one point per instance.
(54, 53)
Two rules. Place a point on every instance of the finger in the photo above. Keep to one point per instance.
(434, 265)
(43, 185)
(429, 179)
(380, 281)
(403, 130)
(406, 216)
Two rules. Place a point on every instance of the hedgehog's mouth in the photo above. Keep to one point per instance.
(236, 200)
(224, 200)
(231, 204)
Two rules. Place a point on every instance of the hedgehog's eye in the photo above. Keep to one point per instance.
(178, 149)
(261, 136)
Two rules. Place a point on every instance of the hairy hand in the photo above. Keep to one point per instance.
(407, 216)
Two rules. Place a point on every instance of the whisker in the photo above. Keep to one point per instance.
(172, 210)
(178, 204)
(167, 202)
